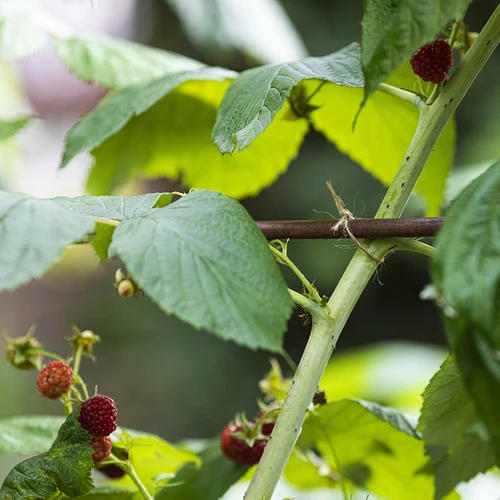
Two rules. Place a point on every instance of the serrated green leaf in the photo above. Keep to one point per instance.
(377, 448)
(392, 31)
(33, 234)
(120, 107)
(383, 133)
(114, 207)
(10, 127)
(28, 435)
(466, 273)
(65, 467)
(19, 38)
(449, 423)
(113, 62)
(182, 148)
(257, 95)
(102, 239)
(204, 259)
(216, 475)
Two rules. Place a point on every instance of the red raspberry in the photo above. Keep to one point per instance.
(237, 449)
(233, 448)
(432, 61)
(102, 448)
(98, 416)
(255, 453)
(55, 379)
(267, 428)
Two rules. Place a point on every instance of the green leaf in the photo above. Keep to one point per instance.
(102, 239)
(257, 95)
(10, 127)
(153, 457)
(383, 133)
(121, 106)
(33, 234)
(466, 273)
(203, 259)
(113, 62)
(108, 493)
(392, 31)
(449, 425)
(148, 145)
(65, 467)
(114, 207)
(28, 435)
(216, 475)
(375, 447)
(19, 38)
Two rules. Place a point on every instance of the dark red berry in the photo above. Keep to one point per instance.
(432, 61)
(112, 471)
(98, 416)
(237, 449)
(233, 448)
(254, 454)
(102, 448)
(55, 379)
(267, 428)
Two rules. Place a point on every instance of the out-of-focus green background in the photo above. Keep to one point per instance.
(180, 383)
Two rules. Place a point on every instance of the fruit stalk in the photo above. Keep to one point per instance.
(325, 332)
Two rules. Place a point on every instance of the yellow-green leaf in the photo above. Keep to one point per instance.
(382, 134)
(173, 139)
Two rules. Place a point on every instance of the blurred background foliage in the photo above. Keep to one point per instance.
(165, 376)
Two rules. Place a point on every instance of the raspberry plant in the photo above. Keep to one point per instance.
(200, 256)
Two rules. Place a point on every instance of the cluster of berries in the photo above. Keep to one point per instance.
(244, 442)
(97, 415)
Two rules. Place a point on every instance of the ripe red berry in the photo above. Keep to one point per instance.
(233, 448)
(255, 453)
(102, 448)
(237, 449)
(98, 416)
(55, 379)
(267, 428)
(432, 61)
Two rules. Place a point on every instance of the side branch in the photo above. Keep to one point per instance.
(361, 228)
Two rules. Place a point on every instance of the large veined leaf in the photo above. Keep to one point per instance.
(151, 145)
(259, 28)
(257, 95)
(10, 127)
(33, 234)
(452, 431)
(28, 435)
(107, 61)
(203, 259)
(466, 273)
(216, 475)
(383, 133)
(65, 467)
(392, 31)
(111, 62)
(372, 446)
(120, 107)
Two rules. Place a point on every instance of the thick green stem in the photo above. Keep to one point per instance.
(328, 327)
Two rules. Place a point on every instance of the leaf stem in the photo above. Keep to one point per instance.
(326, 328)
(129, 469)
(406, 95)
(284, 259)
(412, 245)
